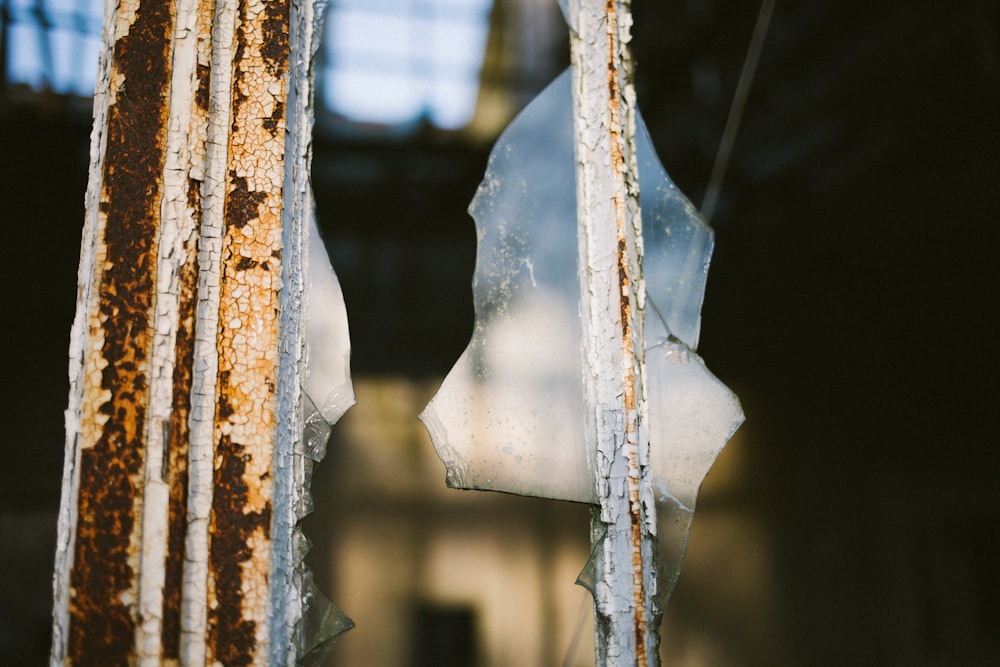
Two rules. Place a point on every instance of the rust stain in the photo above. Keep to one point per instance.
(201, 95)
(178, 440)
(103, 581)
(243, 205)
(275, 46)
(233, 635)
(631, 436)
(248, 342)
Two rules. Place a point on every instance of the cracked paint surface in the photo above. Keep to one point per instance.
(610, 258)
(103, 582)
(177, 439)
(566, 389)
(188, 353)
(626, 207)
(247, 342)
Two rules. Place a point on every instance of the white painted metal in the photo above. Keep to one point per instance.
(217, 207)
(194, 604)
(612, 298)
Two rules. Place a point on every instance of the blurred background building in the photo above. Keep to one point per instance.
(855, 518)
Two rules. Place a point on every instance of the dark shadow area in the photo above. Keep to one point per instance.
(444, 636)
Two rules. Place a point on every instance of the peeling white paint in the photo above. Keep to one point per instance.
(177, 228)
(271, 345)
(79, 342)
(314, 387)
(550, 397)
(194, 611)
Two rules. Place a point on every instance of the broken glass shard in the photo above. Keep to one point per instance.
(322, 622)
(326, 394)
(510, 414)
(692, 415)
(564, 6)
(327, 391)
(316, 430)
(328, 360)
(588, 575)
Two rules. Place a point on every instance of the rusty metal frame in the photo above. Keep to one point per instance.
(612, 294)
(176, 533)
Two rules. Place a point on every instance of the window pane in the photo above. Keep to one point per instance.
(54, 44)
(393, 61)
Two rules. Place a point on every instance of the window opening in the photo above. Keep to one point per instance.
(51, 44)
(395, 62)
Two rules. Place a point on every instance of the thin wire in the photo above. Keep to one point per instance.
(725, 151)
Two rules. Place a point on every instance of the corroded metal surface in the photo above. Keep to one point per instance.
(176, 458)
(103, 583)
(627, 266)
(612, 294)
(165, 552)
(248, 338)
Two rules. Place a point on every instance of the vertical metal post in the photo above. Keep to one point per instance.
(623, 526)
(175, 540)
